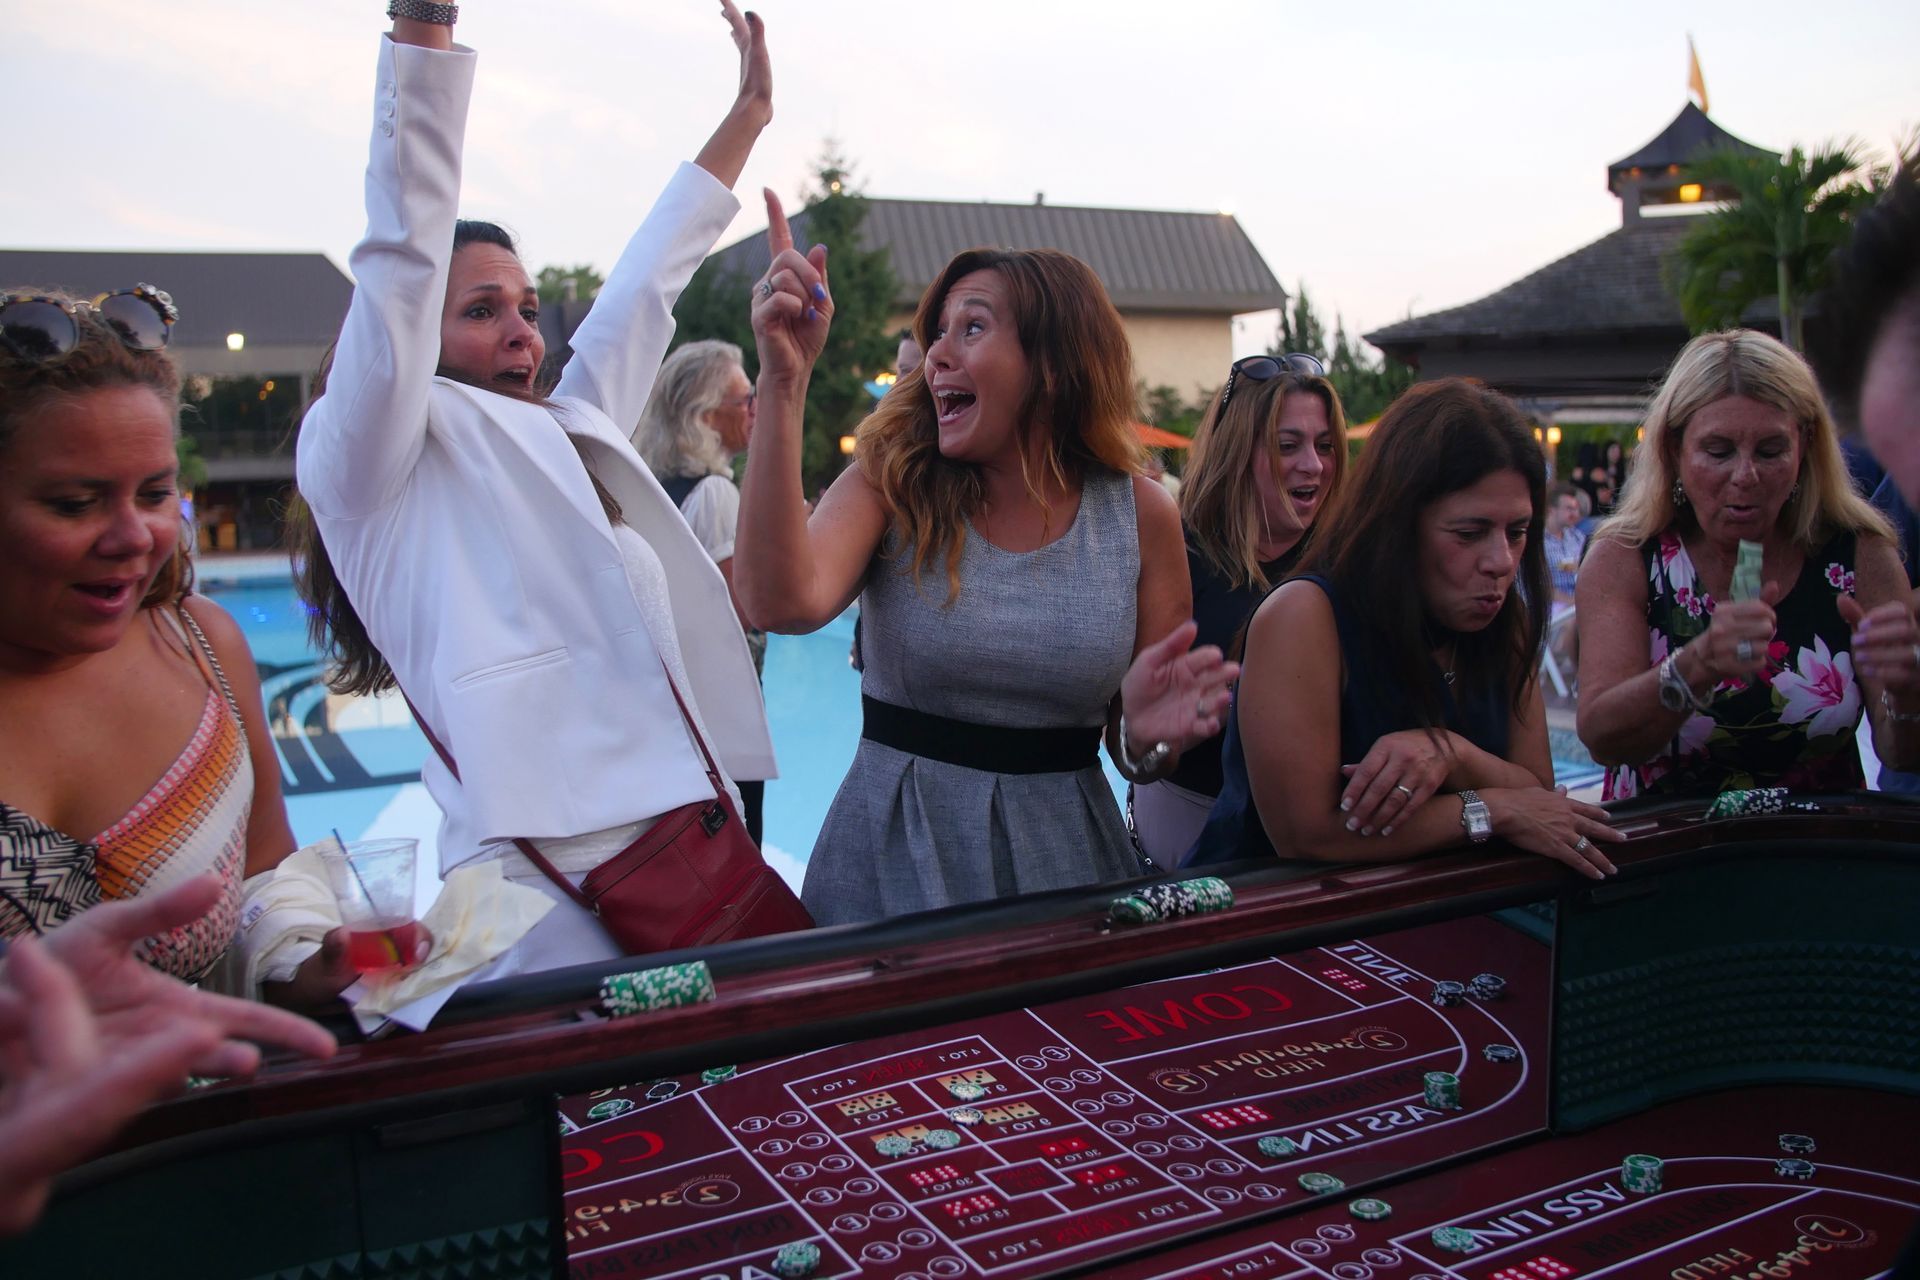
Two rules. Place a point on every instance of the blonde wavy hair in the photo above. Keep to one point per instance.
(1741, 362)
(1079, 400)
(1218, 501)
(674, 436)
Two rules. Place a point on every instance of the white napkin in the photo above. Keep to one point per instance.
(284, 914)
(478, 916)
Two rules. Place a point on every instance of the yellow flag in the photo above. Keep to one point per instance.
(1696, 81)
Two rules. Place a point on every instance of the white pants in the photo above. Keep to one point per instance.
(1167, 820)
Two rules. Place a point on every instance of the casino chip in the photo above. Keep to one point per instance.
(797, 1260)
(1370, 1210)
(714, 1075)
(1277, 1147)
(1793, 1167)
(1487, 986)
(892, 1144)
(1500, 1053)
(610, 1108)
(1641, 1174)
(1796, 1144)
(966, 1090)
(1455, 1240)
(1321, 1183)
(942, 1139)
(1447, 994)
(968, 1116)
(1443, 1090)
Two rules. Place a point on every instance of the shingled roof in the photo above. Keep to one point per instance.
(1616, 284)
(1149, 260)
(275, 299)
(1687, 137)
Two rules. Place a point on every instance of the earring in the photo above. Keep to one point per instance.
(1679, 494)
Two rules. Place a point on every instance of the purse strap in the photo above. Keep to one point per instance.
(525, 845)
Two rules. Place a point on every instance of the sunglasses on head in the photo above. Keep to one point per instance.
(1265, 368)
(35, 327)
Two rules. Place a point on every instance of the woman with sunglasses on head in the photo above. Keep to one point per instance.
(697, 421)
(1020, 580)
(1268, 456)
(134, 748)
(1388, 706)
(507, 559)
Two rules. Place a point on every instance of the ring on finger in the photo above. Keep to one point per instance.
(766, 288)
(1403, 789)
(1582, 845)
(1744, 651)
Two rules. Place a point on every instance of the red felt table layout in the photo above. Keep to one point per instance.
(1109, 1122)
(1556, 1209)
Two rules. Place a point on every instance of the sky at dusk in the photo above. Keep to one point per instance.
(1397, 157)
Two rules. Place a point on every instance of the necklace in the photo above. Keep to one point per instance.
(1447, 672)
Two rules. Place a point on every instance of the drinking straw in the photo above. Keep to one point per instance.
(364, 891)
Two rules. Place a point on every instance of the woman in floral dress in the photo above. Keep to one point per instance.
(1686, 690)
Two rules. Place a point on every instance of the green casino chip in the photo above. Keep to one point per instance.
(1277, 1147)
(892, 1144)
(1133, 910)
(610, 1108)
(942, 1139)
(968, 1116)
(967, 1090)
(714, 1075)
(1370, 1210)
(1321, 1183)
(1455, 1240)
(796, 1261)
(1641, 1174)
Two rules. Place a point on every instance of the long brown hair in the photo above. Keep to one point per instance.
(355, 663)
(1437, 438)
(98, 362)
(1219, 504)
(1080, 396)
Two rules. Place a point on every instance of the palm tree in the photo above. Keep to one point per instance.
(1788, 216)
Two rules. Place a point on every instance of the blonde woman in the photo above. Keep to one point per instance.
(1268, 456)
(1686, 691)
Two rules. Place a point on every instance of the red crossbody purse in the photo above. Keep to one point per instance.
(693, 878)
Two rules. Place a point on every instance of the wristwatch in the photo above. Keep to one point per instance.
(1146, 764)
(1675, 693)
(1475, 817)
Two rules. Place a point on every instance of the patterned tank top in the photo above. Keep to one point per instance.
(191, 821)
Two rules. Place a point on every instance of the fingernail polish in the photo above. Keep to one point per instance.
(1346, 805)
(1386, 831)
(811, 313)
(1353, 824)
(1366, 831)
(819, 293)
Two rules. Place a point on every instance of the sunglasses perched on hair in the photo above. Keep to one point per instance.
(34, 327)
(1266, 368)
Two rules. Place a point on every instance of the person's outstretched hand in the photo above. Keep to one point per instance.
(1175, 695)
(131, 999)
(792, 307)
(756, 68)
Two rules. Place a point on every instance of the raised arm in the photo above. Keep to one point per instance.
(792, 574)
(618, 348)
(361, 440)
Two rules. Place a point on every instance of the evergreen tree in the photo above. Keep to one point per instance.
(1300, 329)
(1366, 386)
(552, 282)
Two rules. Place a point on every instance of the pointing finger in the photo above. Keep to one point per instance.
(779, 235)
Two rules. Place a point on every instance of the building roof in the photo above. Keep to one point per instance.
(1687, 137)
(275, 299)
(1617, 284)
(1150, 260)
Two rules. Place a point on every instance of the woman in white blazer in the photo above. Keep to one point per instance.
(507, 559)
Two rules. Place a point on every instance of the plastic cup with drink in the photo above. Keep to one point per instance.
(372, 881)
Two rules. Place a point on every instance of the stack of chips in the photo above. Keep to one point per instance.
(1796, 1144)
(1370, 1210)
(610, 1108)
(892, 1144)
(1747, 803)
(1500, 1053)
(1793, 1167)
(1641, 1174)
(1321, 1184)
(966, 1090)
(1455, 1240)
(1170, 901)
(1276, 1147)
(1487, 986)
(714, 1075)
(1447, 994)
(1443, 1090)
(968, 1116)
(942, 1139)
(796, 1261)
(663, 988)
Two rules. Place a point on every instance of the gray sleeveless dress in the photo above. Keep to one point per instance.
(1033, 640)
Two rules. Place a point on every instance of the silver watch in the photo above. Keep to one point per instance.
(1675, 693)
(1475, 817)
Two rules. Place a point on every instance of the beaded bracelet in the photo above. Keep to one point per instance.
(440, 15)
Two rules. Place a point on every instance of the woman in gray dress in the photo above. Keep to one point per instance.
(1023, 587)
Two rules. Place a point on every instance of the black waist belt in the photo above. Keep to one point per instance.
(987, 747)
